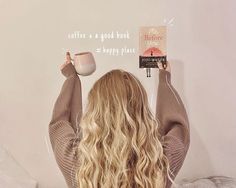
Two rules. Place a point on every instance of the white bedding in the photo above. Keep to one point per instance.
(209, 182)
(12, 175)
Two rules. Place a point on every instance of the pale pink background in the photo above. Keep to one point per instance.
(201, 49)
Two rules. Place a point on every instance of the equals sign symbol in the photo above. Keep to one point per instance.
(98, 50)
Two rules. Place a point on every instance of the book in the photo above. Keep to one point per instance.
(152, 46)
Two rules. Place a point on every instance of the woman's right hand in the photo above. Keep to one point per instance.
(68, 60)
(167, 68)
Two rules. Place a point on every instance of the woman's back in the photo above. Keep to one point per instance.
(76, 154)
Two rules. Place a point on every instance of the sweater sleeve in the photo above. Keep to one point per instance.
(63, 130)
(173, 123)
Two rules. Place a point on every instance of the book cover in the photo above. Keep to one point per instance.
(152, 46)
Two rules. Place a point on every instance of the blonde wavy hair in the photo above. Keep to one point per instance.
(119, 139)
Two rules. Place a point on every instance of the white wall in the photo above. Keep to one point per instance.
(203, 41)
(200, 50)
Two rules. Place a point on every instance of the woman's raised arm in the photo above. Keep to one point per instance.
(174, 123)
(63, 131)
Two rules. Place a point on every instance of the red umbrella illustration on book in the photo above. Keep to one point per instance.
(153, 51)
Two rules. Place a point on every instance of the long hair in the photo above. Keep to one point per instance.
(120, 143)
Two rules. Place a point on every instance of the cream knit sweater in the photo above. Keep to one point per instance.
(170, 112)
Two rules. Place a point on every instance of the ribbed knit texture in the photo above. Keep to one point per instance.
(63, 133)
(174, 123)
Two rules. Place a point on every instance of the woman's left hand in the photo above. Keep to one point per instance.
(68, 60)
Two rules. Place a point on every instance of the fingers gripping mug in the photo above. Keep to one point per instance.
(84, 63)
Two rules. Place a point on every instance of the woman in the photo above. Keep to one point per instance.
(118, 142)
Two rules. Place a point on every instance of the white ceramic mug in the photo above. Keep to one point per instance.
(84, 63)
